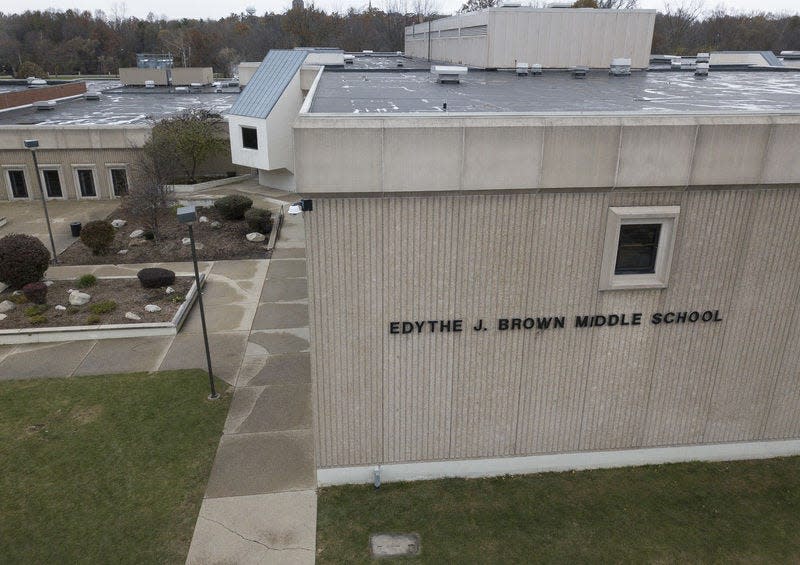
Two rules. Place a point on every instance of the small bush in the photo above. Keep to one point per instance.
(259, 220)
(36, 320)
(18, 299)
(85, 281)
(23, 259)
(98, 236)
(35, 310)
(233, 207)
(93, 319)
(35, 292)
(177, 298)
(103, 307)
(71, 310)
(156, 277)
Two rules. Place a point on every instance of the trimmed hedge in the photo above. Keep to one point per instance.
(23, 259)
(98, 236)
(259, 220)
(233, 207)
(156, 277)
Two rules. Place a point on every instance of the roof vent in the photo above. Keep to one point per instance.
(181, 89)
(702, 58)
(349, 59)
(45, 105)
(399, 63)
(536, 69)
(579, 72)
(790, 55)
(701, 70)
(620, 67)
(368, 52)
(522, 69)
(91, 96)
(446, 73)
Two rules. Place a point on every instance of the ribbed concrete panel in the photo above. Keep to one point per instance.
(555, 362)
(783, 418)
(345, 314)
(705, 266)
(758, 327)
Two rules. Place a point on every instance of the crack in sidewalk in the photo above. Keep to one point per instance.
(256, 541)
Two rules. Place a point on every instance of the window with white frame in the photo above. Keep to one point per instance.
(638, 247)
(17, 184)
(249, 138)
(119, 181)
(52, 182)
(86, 185)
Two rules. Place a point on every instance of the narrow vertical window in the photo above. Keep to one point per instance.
(16, 178)
(119, 182)
(52, 183)
(86, 183)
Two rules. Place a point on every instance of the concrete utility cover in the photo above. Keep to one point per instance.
(394, 545)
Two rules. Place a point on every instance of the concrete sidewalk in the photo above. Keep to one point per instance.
(260, 504)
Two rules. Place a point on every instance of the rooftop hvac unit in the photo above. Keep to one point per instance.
(559, 5)
(536, 69)
(702, 58)
(195, 87)
(45, 105)
(511, 5)
(579, 72)
(791, 55)
(701, 70)
(181, 89)
(37, 83)
(522, 69)
(399, 63)
(149, 84)
(368, 52)
(447, 73)
(91, 96)
(349, 59)
(620, 67)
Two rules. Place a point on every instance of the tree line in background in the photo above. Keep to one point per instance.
(72, 42)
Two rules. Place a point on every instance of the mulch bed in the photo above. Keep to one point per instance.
(226, 242)
(129, 295)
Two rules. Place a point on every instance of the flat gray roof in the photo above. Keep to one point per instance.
(503, 91)
(118, 108)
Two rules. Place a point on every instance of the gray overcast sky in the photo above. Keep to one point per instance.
(216, 9)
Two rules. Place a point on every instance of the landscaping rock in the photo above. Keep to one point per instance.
(17, 293)
(132, 316)
(60, 308)
(3, 317)
(6, 306)
(118, 223)
(255, 237)
(169, 290)
(122, 252)
(203, 219)
(48, 283)
(199, 246)
(186, 241)
(215, 225)
(78, 298)
(136, 233)
(152, 308)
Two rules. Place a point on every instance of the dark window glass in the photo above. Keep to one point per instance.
(18, 187)
(52, 183)
(86, 182)
(638, 247)
(249, 138)
(119, 178)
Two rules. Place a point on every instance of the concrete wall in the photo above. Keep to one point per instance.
(346, 154)
(31, 95)
(554, 38)
(382, 398)
(137, 76)
(186, 76)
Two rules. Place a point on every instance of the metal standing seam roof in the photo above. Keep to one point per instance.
(268, 83)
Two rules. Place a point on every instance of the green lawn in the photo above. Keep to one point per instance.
(740, 512)
(106, 469)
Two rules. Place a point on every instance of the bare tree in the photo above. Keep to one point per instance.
(674, 25)
(617, 4)
(475, 5)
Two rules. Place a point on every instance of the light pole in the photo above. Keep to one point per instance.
(33, 145)
(187, 215)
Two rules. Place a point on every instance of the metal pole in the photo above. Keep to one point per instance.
(44, 204)
(213, 395)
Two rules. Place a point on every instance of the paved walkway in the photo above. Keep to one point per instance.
(260, 504)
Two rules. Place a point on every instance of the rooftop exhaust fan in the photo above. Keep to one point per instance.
(91, 96)
(149, 84)
(349, 59)
(536, 69)
(620, 67)
(579, 72)
(522, 69)
(448, 74)
(45, 105)
(702, 58)
(701, 70)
